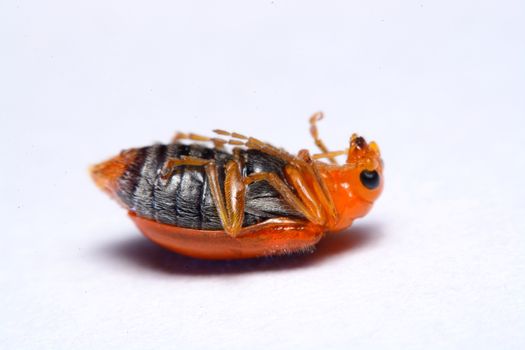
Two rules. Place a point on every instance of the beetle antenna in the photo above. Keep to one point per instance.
(330, 155)
(315, 134)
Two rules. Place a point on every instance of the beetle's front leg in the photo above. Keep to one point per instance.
(319, 186)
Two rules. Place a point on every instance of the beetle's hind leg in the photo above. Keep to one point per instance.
(169, 166)
(230, 205)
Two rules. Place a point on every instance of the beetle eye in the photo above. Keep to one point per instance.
(369, 179)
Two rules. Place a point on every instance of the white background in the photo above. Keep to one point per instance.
(438, 264)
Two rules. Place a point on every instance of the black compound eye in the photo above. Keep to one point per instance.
(369, 179)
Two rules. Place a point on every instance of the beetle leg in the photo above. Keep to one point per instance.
(234, 195)
(211, 172)
(278, 184)
(230, 205)
(170, 164)
(315, 198)
(318, 184)
(323, 193)
(307, 191)
(315, 134)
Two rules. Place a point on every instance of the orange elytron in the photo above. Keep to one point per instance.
(255, 200)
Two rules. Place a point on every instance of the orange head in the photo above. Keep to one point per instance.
(355, 185)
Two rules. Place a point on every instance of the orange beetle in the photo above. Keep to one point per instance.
(255, 200)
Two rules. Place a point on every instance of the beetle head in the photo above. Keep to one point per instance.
(357, 184)
(365, 168)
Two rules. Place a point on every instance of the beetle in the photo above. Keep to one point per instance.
(253, 200)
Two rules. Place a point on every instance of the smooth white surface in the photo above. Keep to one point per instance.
(438, 264)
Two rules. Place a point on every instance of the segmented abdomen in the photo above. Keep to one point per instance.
(185, 198)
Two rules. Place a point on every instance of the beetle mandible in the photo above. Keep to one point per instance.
(255, 200)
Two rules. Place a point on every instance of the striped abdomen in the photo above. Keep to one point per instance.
(185, 198)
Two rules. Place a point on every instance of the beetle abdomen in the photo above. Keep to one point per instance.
(185, 198)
